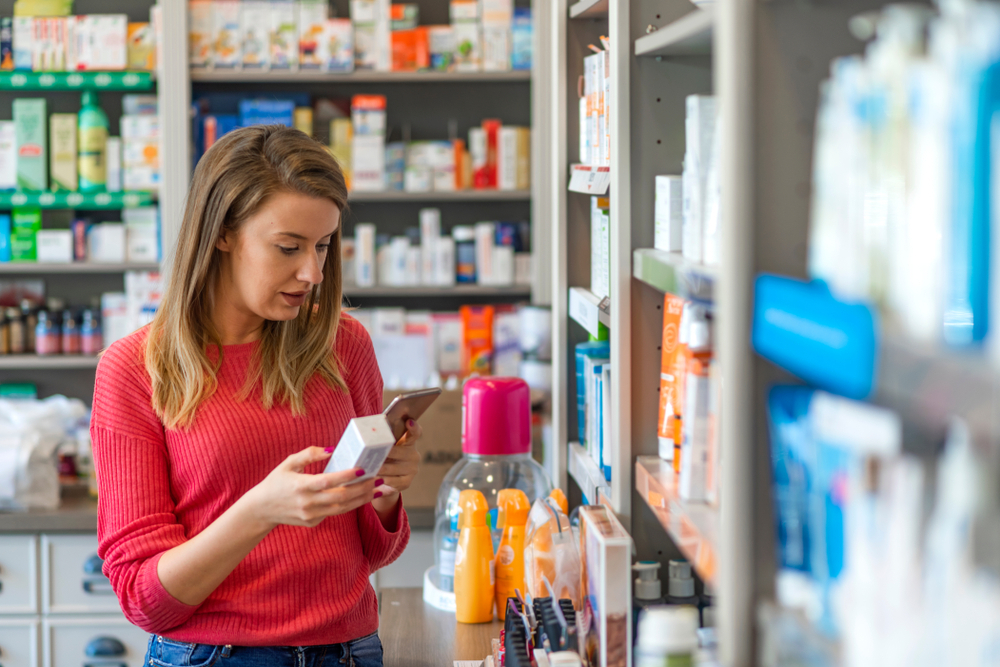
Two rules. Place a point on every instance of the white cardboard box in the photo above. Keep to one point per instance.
(365, 444)
(55, 246)
(668, 214)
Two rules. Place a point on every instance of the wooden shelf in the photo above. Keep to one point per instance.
(440, 196)
(585, 309)
(456, 291)
(73, 267)
(693, 527)
(670, 272)
(48, 362)
(690, 35)
(589, 9)
(361, 76)
(583, 469)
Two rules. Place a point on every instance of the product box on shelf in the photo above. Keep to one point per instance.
(496, 48)
(141, 47)
(62, 166)
(200, 32)
(313, 15)
(600, 246)
(606, 555)
(141, 234)
(339, 50)
(404, 16)
(699, 129)
(6, 43)
(32, 148)
(25, 225)
(284, 35)
(54, 246)
(101, 42)
(468, 46)
(23, 42)
(368, 169)
(673, 306)
(113, 161)
(226, 34)
(441, 45)
(106, 243)
(5, 237)
(521, 39)
(514, 158)
(410, 50)
(255, 34)
(8, 155)
(668, 213)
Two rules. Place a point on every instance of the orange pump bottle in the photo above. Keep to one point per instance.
(474, 585)
(512, 515)
(560, 499)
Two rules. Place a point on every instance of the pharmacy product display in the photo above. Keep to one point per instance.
(72, 153)
(494, 156)
(262, 35)
(31, 323)
(493, 253)
(419, 348)
(54, 40)
(496, 446)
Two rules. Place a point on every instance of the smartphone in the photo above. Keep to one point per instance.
(410, 405)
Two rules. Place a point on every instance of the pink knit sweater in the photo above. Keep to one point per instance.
(158, 487)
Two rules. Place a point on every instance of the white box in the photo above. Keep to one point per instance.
(365, 445)
(468, 46)
(226, 34)
(106, 243)
(364, 12)
(388, 321)
(497, 12)
(199, 33)
(496, 48)
(142, 244)
(364, 254)
(503, 266)
(312, 30)
(430, 233)
(114, 316)
(101, 42)
(600, 247)
(8, 155)
(368, 170)
(522, 268)
(444, 263)
(255, 34)
(284, 35)
(339, 40)
(485, 240)
(668, 214)
(144, 126)
(23, 42)
(606, 559)
(113, 163)
(447, 343)
(699, 128)
(55, 246)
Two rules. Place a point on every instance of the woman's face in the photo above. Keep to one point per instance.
(270, 265)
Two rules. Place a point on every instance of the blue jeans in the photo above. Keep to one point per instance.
(363, 652)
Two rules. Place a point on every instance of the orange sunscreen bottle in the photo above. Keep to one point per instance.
(474, 574)
(560, 499)
(512, 515)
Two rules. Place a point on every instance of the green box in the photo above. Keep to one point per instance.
(26, 219)
(23, 247)
(32, 144)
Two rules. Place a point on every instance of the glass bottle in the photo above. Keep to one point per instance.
(29, 314)
(47, 335)
(15, 325)
(92, 339)
(71, 342)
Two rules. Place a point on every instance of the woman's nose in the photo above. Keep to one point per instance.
(311, 270)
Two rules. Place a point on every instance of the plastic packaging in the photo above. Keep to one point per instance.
(513, 507)
(474, 575)
(551, 554)
(92, 144)
(648, 590)
(680, 587)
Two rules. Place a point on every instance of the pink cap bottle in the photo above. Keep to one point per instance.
(496, 416)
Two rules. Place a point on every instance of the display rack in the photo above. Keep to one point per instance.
(441, 196)
(589, 311)
(56, 81)
(687, 36)
(589, 9)
(51, 362)
(455, 291)
(670, 272)
(360, 76)
(84, 201)
(25, 268)
(584, 471)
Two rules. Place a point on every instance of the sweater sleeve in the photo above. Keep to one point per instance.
(136, 523)
(381, 546)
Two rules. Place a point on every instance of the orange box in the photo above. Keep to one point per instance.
(477, 339)
(673, 306)
(410, 50)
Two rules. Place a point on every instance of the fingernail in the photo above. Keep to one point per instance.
(328, 450)
(378, 482)
(359, 473)
(411, 423)
(378, 494)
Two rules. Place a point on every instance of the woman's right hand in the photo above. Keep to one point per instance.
(290, 497)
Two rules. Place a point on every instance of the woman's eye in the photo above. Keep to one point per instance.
(287, 251)
(323, 247)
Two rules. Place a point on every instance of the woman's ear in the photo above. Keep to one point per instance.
(224, 243)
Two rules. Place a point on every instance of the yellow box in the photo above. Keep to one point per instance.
(62, 144)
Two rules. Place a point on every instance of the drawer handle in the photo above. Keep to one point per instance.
(98, 587)
(93, 565)
(104, 647)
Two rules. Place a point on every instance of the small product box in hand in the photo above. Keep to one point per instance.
(365, 445)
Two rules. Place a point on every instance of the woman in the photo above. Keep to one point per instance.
(212, 427)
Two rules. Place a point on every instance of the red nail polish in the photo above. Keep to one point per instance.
(378, 494)
(359, 473)
(379, 481)
(411, 423)
(328, 450)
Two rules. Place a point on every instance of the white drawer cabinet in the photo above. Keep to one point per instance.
(72, 582)
(93, 641)
(19, 642)
(18, 575)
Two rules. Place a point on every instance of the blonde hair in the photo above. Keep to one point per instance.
(231, 183)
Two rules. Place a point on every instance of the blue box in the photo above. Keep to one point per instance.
(4, 237)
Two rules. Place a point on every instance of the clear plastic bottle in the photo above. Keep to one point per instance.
(496, 442)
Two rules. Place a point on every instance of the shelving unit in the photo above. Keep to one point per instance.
(588, 311)
(360, 76)
(586, 474)
(456, 291)
(670, 272)
(56, 81)
(27, 268)
(690, 35)
(441, 196)
(52, 362)
(84, 201)
(589, 9)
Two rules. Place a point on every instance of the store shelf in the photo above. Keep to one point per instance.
(42, 81)
(693, 527)
(583, 469)
(73, 267)
(690, 35)
(53, 362)
(366, 76)
(457, 291)
(670, 272)
(589, 9)
(440, 196)
(76, 200)
(586, 310)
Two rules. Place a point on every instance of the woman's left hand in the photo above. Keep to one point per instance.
(399, 469)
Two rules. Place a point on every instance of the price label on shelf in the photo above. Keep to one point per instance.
(590, 180)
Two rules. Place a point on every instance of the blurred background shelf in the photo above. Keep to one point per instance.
(43, 81)
(589, 9)
(584, 471)
(96, 201)
(48, 362)
(693, 527)
(440, 196)
(431, 291)
(75, 267)
(670, 272)
(305, 76)
(690, 35)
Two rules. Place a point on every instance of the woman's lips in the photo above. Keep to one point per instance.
(294, 298)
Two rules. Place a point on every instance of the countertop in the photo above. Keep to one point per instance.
(78, 514)
(416, 634)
